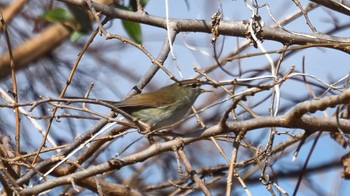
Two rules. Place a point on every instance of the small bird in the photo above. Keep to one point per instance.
(163, 107)
(158, 109)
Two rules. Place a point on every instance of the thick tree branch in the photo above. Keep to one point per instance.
(230, 28)
(34, 49)
(336, 5)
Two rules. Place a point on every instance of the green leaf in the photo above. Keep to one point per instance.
(134, 30)
(75, 18)
(58, 15)
(81, 17)
(75, 35)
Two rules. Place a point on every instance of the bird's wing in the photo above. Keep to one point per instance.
(145, 100)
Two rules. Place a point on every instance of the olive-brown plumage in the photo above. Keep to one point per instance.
(163, 107)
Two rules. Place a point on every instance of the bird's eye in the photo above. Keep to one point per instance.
(194, 85)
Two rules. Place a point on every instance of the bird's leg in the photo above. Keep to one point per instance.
(143, 127)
